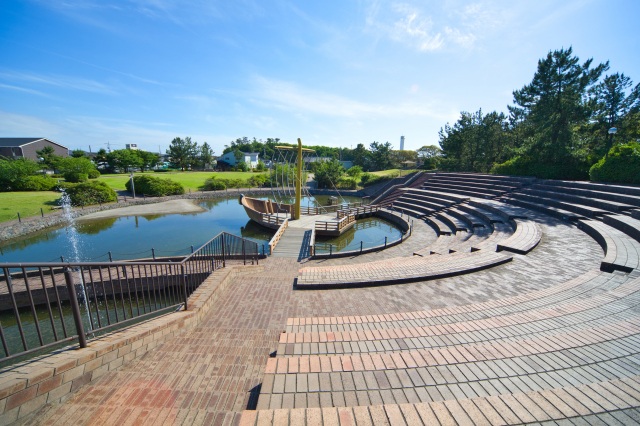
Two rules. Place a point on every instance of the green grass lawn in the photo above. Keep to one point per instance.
(26, 203)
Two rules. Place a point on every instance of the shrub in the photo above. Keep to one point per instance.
(523, 166)
(94, 174)
(87, 193)
(214, 184)
(155, 186)
(37, 183)
(257, 180)
(75, 177)
(347, 183)
(369, 179)
(621, 165)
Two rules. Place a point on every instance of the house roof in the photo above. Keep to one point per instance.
(14, 142)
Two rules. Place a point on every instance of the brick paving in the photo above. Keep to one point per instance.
(210, 375)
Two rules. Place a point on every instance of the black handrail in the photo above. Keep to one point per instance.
(93, 297)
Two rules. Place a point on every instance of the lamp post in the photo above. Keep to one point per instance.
(133, 188)
(612, 131)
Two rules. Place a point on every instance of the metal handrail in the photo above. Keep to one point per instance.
(44, 304)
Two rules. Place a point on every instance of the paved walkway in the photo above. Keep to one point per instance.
(209, 375)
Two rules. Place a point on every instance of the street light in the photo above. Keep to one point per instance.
(133, 188)
(612, 131)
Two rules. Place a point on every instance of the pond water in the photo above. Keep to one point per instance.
(134, 237)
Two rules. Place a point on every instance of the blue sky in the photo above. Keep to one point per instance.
(334, 72)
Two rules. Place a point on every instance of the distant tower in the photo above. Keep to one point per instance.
(401, 143)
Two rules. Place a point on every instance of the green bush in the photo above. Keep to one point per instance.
(155, 186)
(523, 166)
(37, 183)
(75, 177)
(622, 165)
(347, 183)
(94, 174)
(87, 193)
(369, 179)
(257, 180)
(214, 184)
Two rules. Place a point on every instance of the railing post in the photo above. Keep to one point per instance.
(330, 249)
(360, 247)
(385, 242)
(191, 249)
(184, 286)
(153, 253)
(110, 258)
(224, 263)
(75, 308)
(19, 220)
(244, 257)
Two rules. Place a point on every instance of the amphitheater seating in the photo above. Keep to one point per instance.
(569, 351)
(527, 235)
(622, 253)
(397, 270)
(626, 224)
(565, 351)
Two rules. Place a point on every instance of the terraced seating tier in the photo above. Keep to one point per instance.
(398, 270)
(470, 191)
(565, 403)
(452, 221)
(527, 235)
(622, 253)
(472, 217)
(626, 224)
(425, 363)
(600, 187)
(621, 199)
(498, 209)
(546, 209)
(418, 194)
(433, 202)
(572, 195)
(410, 208)
(588, 211)
(442, 195)
(441, 227)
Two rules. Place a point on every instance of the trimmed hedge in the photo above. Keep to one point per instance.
(87, 193)
(621, 165)
(36, 183)
(523, 166)
(155, 186)
(214, 184)
(75, 177)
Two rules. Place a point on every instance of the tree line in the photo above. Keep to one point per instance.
(561, 125)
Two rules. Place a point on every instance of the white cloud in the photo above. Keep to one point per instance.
(433, 27)
(19, 125)
(296, 99)
(64, 82)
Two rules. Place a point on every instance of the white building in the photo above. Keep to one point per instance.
(250, 158)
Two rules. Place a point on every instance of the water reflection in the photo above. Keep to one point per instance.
(132, 237)
(370, 231)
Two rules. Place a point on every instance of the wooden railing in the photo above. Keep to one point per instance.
(276, 238)
(312, 243)
(357, 211)
(335, 226)
(272, 219)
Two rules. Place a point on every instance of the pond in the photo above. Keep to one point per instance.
(133, 237)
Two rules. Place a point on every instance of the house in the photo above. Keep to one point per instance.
(250, 158)
(27, 147)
